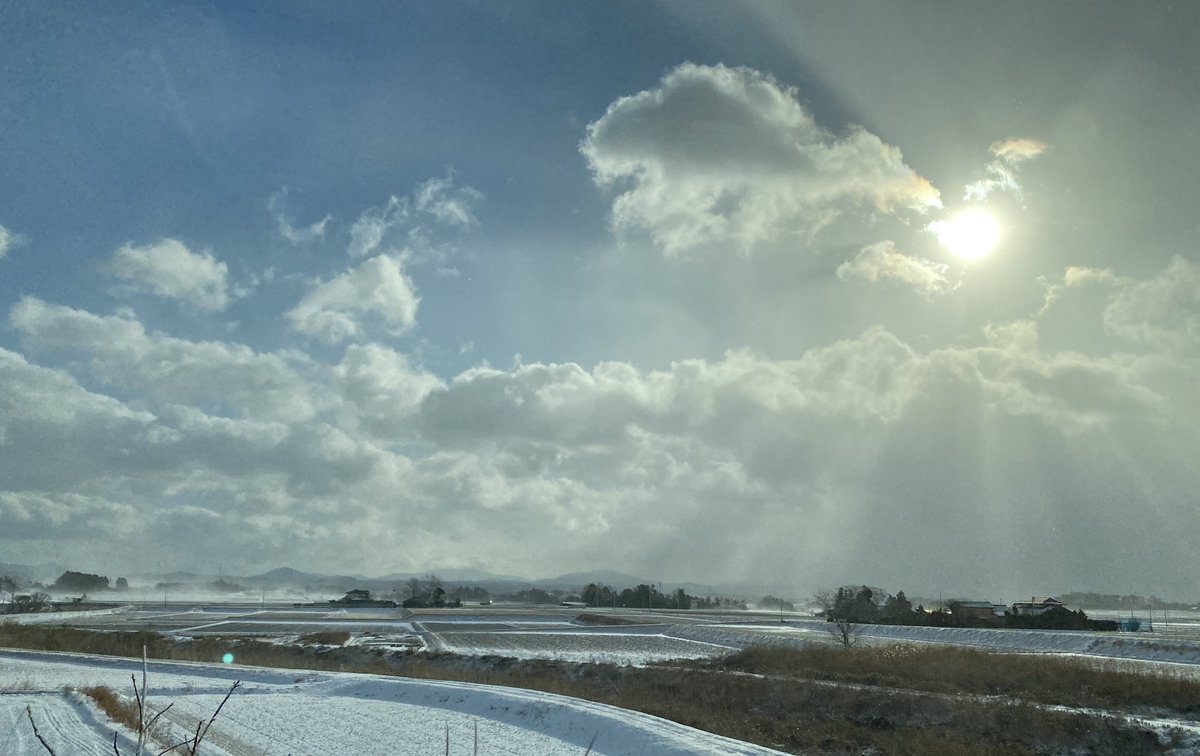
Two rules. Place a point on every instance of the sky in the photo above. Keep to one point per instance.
(804, 294)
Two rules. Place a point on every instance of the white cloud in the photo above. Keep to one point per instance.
(381, 388)
(333, 310)
(9, 240)
(1162, 311)
(882, 261)
(1018, 149)
(1002, 172)
(745, 450)
(447, 203)
(369, 229)
(123, 354)
(277, 205)
(716, 154)
(170, 270)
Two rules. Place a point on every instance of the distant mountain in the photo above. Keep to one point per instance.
(455, 575)
(289, 576)
(611, 578)
(284, 575)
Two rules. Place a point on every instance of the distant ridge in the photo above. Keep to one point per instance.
(611, 578)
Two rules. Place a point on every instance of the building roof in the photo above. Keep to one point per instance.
(973, 604)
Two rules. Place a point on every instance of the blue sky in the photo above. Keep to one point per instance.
(542, 287)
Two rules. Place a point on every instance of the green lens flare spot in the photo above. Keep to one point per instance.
(227, 658)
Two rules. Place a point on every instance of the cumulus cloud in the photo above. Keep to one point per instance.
(121, 353)
(277, 205)
(882, 261)
(715, 154)
(381, 387)
(170, 270)
(9, 240)
(379, 288)
(1002, 172)
(374, 451)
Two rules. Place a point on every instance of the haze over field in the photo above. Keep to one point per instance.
(894, 294)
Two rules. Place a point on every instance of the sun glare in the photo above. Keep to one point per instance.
(971, 234)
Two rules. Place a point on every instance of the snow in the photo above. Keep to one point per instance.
(622, 648)
(301, 712)
(1140, 647)
(36, 617)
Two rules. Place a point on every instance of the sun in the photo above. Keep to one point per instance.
(971, 234)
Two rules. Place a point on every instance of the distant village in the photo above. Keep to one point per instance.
(865, 604)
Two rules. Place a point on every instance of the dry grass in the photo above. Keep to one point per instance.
(124, 712)
(1044, 678)
(603, 619)
(326, 638)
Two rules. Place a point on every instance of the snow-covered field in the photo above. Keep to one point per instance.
(296, 712)
(553, 633)
(612, 648)
(1181, 656)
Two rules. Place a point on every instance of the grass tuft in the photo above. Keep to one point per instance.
(121, 711)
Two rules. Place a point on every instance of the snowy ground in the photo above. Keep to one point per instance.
(554, 633)
(612, 648)
(290, 712)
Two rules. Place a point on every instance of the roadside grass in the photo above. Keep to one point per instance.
(767, 695)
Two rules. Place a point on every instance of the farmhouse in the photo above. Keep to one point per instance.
(360, 597)
(1036, 606)
(978, 611)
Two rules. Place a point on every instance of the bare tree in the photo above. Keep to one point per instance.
(7, 585)
(840, 626)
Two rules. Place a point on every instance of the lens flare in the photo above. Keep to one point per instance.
(227, 658)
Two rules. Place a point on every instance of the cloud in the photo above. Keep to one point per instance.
(447, 203)
(277, 205)
(277, 454)
(1018, 150)
(1002, 172)
(9, 240)
(715, 154)
(169, 270)
(882, 261)
(53, 516)
(333, 310)
(381, 388)
(1160, 313)
(121, 353)
(369, 229)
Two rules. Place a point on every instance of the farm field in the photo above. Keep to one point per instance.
(551, 649)
(620, 637)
